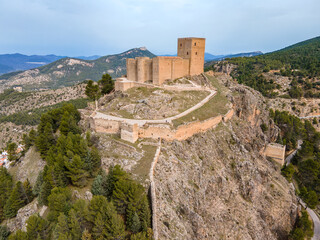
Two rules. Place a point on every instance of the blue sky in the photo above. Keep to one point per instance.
(89, 27)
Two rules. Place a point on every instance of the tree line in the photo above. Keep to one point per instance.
(119, 208)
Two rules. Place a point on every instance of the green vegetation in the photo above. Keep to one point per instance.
(300, 62)
(75, 70)
(105, 86)
(303, 228)
(119, 208)
(306, 163)
(214, 107)
(32, 117)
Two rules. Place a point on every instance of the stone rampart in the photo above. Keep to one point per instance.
(155, 131)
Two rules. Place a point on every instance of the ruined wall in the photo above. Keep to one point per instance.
(129, 132)
(276, 152)
(106, 126)
(228, 115)
(123, 85)
(181, 133)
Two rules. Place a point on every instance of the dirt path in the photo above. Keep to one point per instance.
(141, 122)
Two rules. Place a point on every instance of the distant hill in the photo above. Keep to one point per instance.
(298, 64)
(17, 61)
(68, 71)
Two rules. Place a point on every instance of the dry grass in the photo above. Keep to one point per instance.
(216, 106)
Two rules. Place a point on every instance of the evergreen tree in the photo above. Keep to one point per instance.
(36, 226)
(6, 185)
(106, 84)
(59, 201)
(135, 225)
(4, 232)
(15, 201)
(99, 226)
(92, 90)
(45, 191)
(27, 192)
(75, 172)
(61, 230)
(12, 151)
(74, 225)
(115, 228)
(98, 186)
(18, 235)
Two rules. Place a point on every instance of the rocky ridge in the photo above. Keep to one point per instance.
(217, 185)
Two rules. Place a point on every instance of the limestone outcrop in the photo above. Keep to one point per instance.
(217, 184)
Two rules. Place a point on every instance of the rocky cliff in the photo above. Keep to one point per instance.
(217, 185)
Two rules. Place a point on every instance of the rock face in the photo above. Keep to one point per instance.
(19, 222)
(217, 185)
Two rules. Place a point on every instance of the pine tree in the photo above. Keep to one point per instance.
(36, 226)
(4, 232)
(115, 228)
(18, 235)
(44, 193)
(6, 185)
(135, 224)
(106, 84)
(61, 230)
(99, 226)
(76, 172)
(27, 192)
(144, 213)
(97, 186)
(74, 225)
(12, 151)
(15, 201)
(92, 90)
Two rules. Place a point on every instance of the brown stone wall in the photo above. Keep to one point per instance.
(144, 69)
(276, 152)
(123, 85)
(129, 132)
(193, 49)
(106, 126)
(132, 69)
(180, 68)
(181, 133)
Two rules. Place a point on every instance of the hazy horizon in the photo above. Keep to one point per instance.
(78, 28)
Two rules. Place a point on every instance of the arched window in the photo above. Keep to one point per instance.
(180, 44)
(187, 53)
(195, 44)
(196, 53)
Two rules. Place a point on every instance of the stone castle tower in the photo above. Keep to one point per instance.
(189, 61)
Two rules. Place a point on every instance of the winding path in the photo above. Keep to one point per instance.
(141, 122)
(315, 219)
(312, 214)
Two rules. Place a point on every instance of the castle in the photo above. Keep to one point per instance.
(141, 70)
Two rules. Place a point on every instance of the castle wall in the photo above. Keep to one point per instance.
(129, 132)
(132, 69)
(276, 152)
(123, 85)
(106, 126)
(144, 69)
(192, 49)
(180, 68)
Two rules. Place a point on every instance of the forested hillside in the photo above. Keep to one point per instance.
(119, 208)
(69, 71)
(300, 63)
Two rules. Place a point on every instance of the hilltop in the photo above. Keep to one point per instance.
(292, 72)
(69, 71)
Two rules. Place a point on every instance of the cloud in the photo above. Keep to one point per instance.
(79, 27)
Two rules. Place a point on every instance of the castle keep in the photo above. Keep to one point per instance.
(189, 62)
